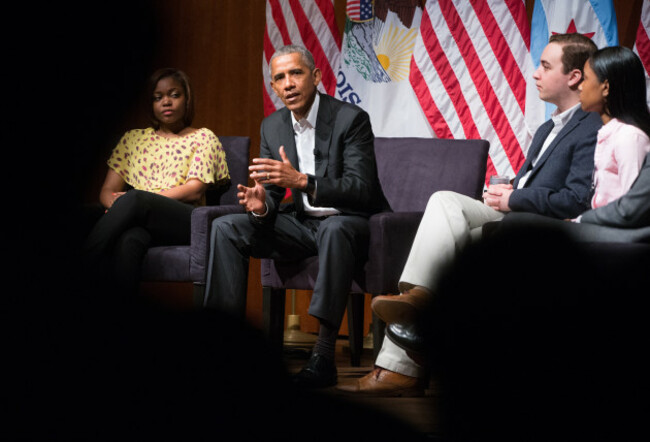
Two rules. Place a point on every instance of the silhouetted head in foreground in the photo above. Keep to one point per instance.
(552, 355)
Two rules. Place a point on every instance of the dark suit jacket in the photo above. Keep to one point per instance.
(346, 170)
(629, 211)
(559, 184)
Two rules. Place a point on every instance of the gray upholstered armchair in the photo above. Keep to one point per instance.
(410, 171)
(189, 263)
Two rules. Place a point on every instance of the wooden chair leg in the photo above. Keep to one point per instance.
(355, 327)
(198, 295)
(273, 315)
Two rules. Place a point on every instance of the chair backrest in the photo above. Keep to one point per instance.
(412, 169)
(237, 150)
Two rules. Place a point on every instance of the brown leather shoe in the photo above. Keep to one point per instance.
(404, 308)
(381, 382)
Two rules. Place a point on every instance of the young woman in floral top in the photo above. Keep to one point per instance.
(168, 167)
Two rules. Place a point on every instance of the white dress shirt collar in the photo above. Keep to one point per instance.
(310, 120)
(561, 119)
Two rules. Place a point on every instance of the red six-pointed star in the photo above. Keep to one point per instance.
(573, 30)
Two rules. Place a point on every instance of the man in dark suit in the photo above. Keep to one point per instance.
(630, 211)
(555, 180)
(323, 150)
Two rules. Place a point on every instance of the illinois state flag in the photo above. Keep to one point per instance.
(309, 23)
(642, 44)
(469, 70)
(375, 62)
(594, 18)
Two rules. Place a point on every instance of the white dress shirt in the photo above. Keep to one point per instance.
(305, 135)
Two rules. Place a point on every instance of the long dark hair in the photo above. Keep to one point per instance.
(184, 80)
(626, 101)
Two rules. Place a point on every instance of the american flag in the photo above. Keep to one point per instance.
(469, 70)
(310, 23)
(642, 44)
(359, 10)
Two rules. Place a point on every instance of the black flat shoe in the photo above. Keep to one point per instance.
(407, 336)
(320, 372)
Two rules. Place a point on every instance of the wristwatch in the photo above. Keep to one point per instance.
(311, 185)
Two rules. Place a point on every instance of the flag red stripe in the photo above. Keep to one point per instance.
(502, 51)
(643, 47)
(327, 9)
(431, 111)
(278, 17)
(268, 47)
(447, 76)
(489, 170)
(269, 106)
(518, 12)
(312, 43)
(493, 108)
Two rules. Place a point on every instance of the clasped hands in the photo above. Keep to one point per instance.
(269, 171)
(497, 196)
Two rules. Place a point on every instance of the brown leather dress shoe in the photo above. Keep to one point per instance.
(404, 308)
(381, 382)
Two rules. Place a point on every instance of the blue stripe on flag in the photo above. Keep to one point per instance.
(539, 33)
(539, 36)
(607, 18)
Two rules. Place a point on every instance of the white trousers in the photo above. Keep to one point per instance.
(394, 358)
(450, 222)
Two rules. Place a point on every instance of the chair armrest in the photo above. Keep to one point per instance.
(391, 237)
(202, 218)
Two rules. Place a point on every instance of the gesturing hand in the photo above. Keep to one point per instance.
(279, 173)
(252, 198)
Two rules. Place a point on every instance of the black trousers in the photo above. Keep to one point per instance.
(340, 242)
(116, 246)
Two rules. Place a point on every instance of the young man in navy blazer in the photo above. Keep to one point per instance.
(323, 150)
(555, 180)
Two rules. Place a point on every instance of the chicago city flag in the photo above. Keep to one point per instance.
(375, 61)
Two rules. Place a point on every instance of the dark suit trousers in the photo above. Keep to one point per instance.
(340, 242)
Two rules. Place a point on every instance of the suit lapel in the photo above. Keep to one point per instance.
(323, 135)
(288, 140)
(538, 140)
(534, 150)
(571, 124)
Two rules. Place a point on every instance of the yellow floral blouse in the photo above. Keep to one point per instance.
(153, 163)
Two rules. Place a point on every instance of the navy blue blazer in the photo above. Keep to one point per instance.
(346, 169)
(559, 185)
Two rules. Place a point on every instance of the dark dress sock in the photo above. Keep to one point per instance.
(326, 343)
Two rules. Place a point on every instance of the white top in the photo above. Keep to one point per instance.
(305, 136)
